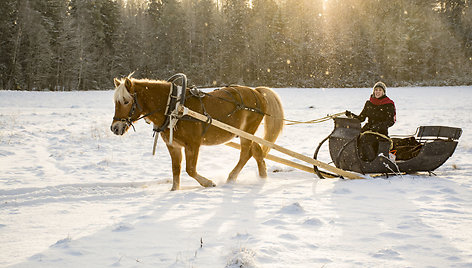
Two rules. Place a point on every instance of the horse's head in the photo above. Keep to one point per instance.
(127, 109)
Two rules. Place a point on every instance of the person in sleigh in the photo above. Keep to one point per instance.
(381, 114)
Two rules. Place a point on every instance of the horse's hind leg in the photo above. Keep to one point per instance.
(191, 157)
(258, 155)
(176, 156)
(244, 156)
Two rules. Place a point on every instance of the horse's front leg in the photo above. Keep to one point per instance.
(176, 156)
(191, 157)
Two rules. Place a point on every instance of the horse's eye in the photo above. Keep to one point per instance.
(126, 102)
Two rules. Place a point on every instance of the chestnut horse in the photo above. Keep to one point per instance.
(239, 106)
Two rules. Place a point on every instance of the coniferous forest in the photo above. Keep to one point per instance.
(84, 44)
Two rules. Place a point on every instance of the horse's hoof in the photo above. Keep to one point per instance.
(174, 188)
(210, 184)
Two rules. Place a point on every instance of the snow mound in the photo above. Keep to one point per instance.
(294, 208)
(242, 258)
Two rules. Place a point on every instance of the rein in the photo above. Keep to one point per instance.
(313, 121)
(241, 106)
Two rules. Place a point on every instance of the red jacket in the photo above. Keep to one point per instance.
(381, 114)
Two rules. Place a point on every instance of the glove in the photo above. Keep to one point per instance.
(349, 114)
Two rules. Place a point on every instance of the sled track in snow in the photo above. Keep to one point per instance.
(74, 193)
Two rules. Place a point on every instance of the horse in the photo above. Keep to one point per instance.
(239, 106)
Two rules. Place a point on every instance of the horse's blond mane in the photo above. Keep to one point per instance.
(121, 93)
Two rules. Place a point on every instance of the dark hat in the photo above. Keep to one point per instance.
(381, 85)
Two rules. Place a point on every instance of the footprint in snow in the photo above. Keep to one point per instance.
(342, 191)
(277, 224)
(294, 208)
(387, 254)
(322, 260)
(6, 153)
(288, 237)
(273, 222)
(448, 191)
(244, 237)
(313, 222)
(63, 243)
(395, 235)
(454, 199)
(423, 198)
(123, 227)
(454, 258)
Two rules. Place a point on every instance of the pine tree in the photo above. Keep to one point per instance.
(263, 52)
(234, 48)
(10, 33)
(31, 64)
(201, 27)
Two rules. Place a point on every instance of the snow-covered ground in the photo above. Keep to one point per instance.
(72, 194)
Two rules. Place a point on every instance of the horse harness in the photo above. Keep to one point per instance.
(239, 104)
(176, 97)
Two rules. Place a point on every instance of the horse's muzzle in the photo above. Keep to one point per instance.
(119, 127)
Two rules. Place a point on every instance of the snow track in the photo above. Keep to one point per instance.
(75, 193)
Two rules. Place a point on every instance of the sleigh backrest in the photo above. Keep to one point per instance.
(425, 133)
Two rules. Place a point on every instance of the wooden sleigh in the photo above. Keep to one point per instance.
(428, 149)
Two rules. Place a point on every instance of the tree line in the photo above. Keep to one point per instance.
(84, 44)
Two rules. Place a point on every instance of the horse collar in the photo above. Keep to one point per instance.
(172, 101)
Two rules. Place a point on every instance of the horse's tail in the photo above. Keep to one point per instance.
(274, 118)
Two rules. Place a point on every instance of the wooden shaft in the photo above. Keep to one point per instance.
(156, 135)
(282, 161)
(236, 131)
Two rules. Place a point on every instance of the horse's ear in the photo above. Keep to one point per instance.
(127, 83)
(117, 82)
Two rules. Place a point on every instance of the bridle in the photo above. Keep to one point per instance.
(134, 106)
(175, 98)
(128, 120)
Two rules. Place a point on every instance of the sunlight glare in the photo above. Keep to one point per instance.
(325, 4)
